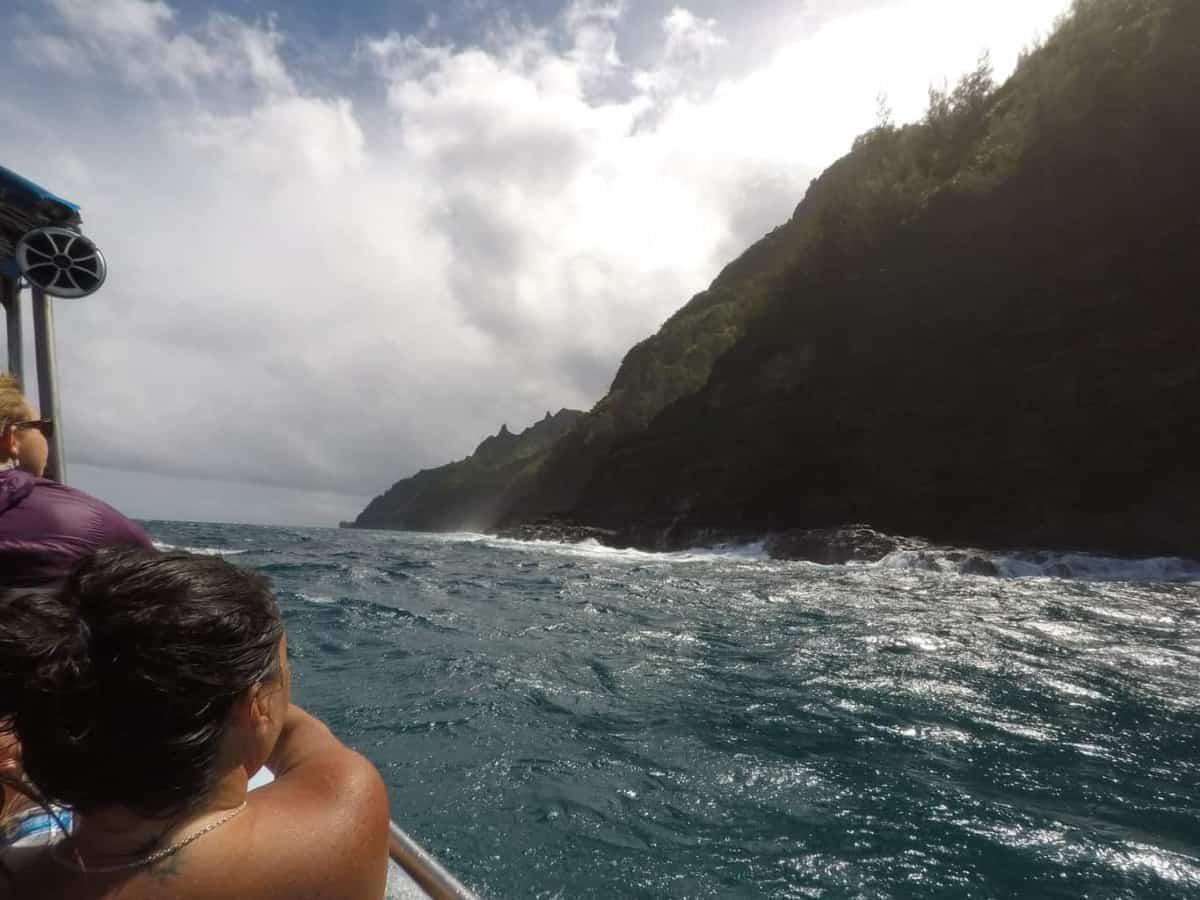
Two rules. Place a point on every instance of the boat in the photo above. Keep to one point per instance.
(43, 247)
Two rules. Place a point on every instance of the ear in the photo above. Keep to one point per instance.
(258, 708)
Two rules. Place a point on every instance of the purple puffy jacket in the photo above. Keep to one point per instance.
(45, 527)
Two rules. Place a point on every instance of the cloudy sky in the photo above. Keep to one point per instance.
(347, 241)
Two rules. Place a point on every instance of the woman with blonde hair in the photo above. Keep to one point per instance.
(45, 527)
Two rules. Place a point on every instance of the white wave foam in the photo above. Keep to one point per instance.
(593, 549)
(1090, 567)
(949, 561)
(1166, 864)
(1061, 631)
(1074, 690)
(1171, 867)
(318, 599)
(660, 637)
(199, 551)
(1077, 566)
(1043, 735)
(457, 537)
(932, 733)
(918, 560)
(912, 642)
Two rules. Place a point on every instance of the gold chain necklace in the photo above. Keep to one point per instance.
(151, 858)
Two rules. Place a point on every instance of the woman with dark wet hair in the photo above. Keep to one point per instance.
(144, 691)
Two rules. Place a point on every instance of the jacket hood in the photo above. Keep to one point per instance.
(15, 486)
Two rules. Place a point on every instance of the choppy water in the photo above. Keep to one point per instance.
(579, 722)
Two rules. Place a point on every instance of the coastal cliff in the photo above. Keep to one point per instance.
(980, 328)
(470, 494)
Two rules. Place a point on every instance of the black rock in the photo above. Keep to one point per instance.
(835, 546)
(559, 531)
(978, 565)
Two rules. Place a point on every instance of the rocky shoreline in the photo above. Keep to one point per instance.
(559, 531)
(855, 543)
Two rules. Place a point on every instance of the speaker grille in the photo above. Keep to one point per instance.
(61, 262)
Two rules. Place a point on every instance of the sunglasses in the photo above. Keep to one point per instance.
(45, 426)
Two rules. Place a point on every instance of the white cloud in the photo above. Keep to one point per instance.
(256, 49)
(311, 291)
(592, 26)
(807, 100)
(125, 21)
(401, 56)
(285, 137)
(687, 50)
(690, 38)
(140, 40)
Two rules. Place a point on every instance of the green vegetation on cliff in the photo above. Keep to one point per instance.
(985, 331)
(974, 327)
(469, 495)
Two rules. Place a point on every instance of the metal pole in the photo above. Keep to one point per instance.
(10, 296)
(426, 871)
(47, 370)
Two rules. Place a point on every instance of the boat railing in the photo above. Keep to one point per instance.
(430, 875)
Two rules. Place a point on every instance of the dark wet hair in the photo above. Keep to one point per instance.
(119, 684)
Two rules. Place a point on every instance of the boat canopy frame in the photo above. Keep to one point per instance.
(25, 207)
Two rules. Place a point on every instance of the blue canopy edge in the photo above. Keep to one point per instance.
(23, 207)
(22, 192)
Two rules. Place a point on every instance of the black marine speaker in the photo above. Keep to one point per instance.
(61, 262)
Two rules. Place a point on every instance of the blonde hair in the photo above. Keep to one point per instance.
(13, 407)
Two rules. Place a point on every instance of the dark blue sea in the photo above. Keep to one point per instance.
(558, 721)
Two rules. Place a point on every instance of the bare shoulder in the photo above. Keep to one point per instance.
(354, 796)
(349, 774)
(325, 824)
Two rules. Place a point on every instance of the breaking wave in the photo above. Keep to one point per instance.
(593, 549)
(1044, 564)
(199, 551)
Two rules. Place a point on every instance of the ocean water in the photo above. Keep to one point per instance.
(558, 721)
